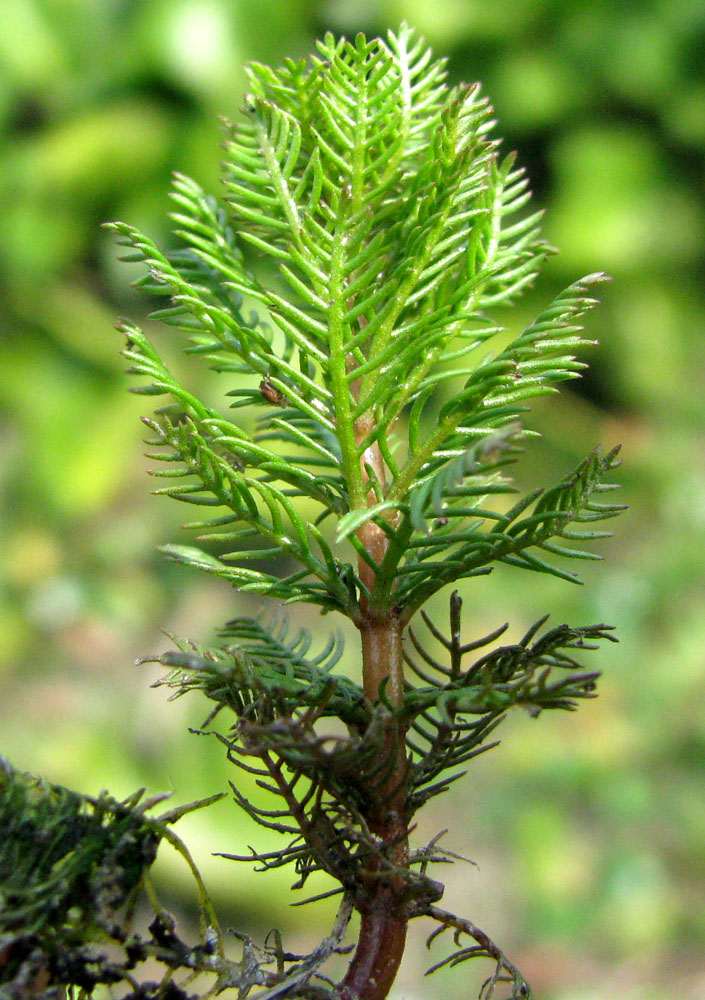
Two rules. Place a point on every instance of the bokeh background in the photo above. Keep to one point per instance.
(588, 830)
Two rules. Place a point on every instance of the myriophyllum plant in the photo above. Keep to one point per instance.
(344, 288)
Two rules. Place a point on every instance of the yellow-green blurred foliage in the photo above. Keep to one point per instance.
(589, 830)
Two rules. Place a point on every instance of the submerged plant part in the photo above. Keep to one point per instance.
(344, 288)
(71, 867)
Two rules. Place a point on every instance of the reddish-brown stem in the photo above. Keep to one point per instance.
(381, 903)
(380, 900)
(379, 950)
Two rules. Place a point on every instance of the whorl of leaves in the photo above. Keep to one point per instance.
(279, 693)
(393, 224)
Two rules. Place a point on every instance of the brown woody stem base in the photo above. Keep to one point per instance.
(380, 948)
(382, 902)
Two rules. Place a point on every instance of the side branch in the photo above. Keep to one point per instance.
(484, 947)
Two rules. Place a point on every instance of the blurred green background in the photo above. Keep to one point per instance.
(589, 830)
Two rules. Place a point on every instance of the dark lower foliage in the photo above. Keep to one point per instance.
(330, 791)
